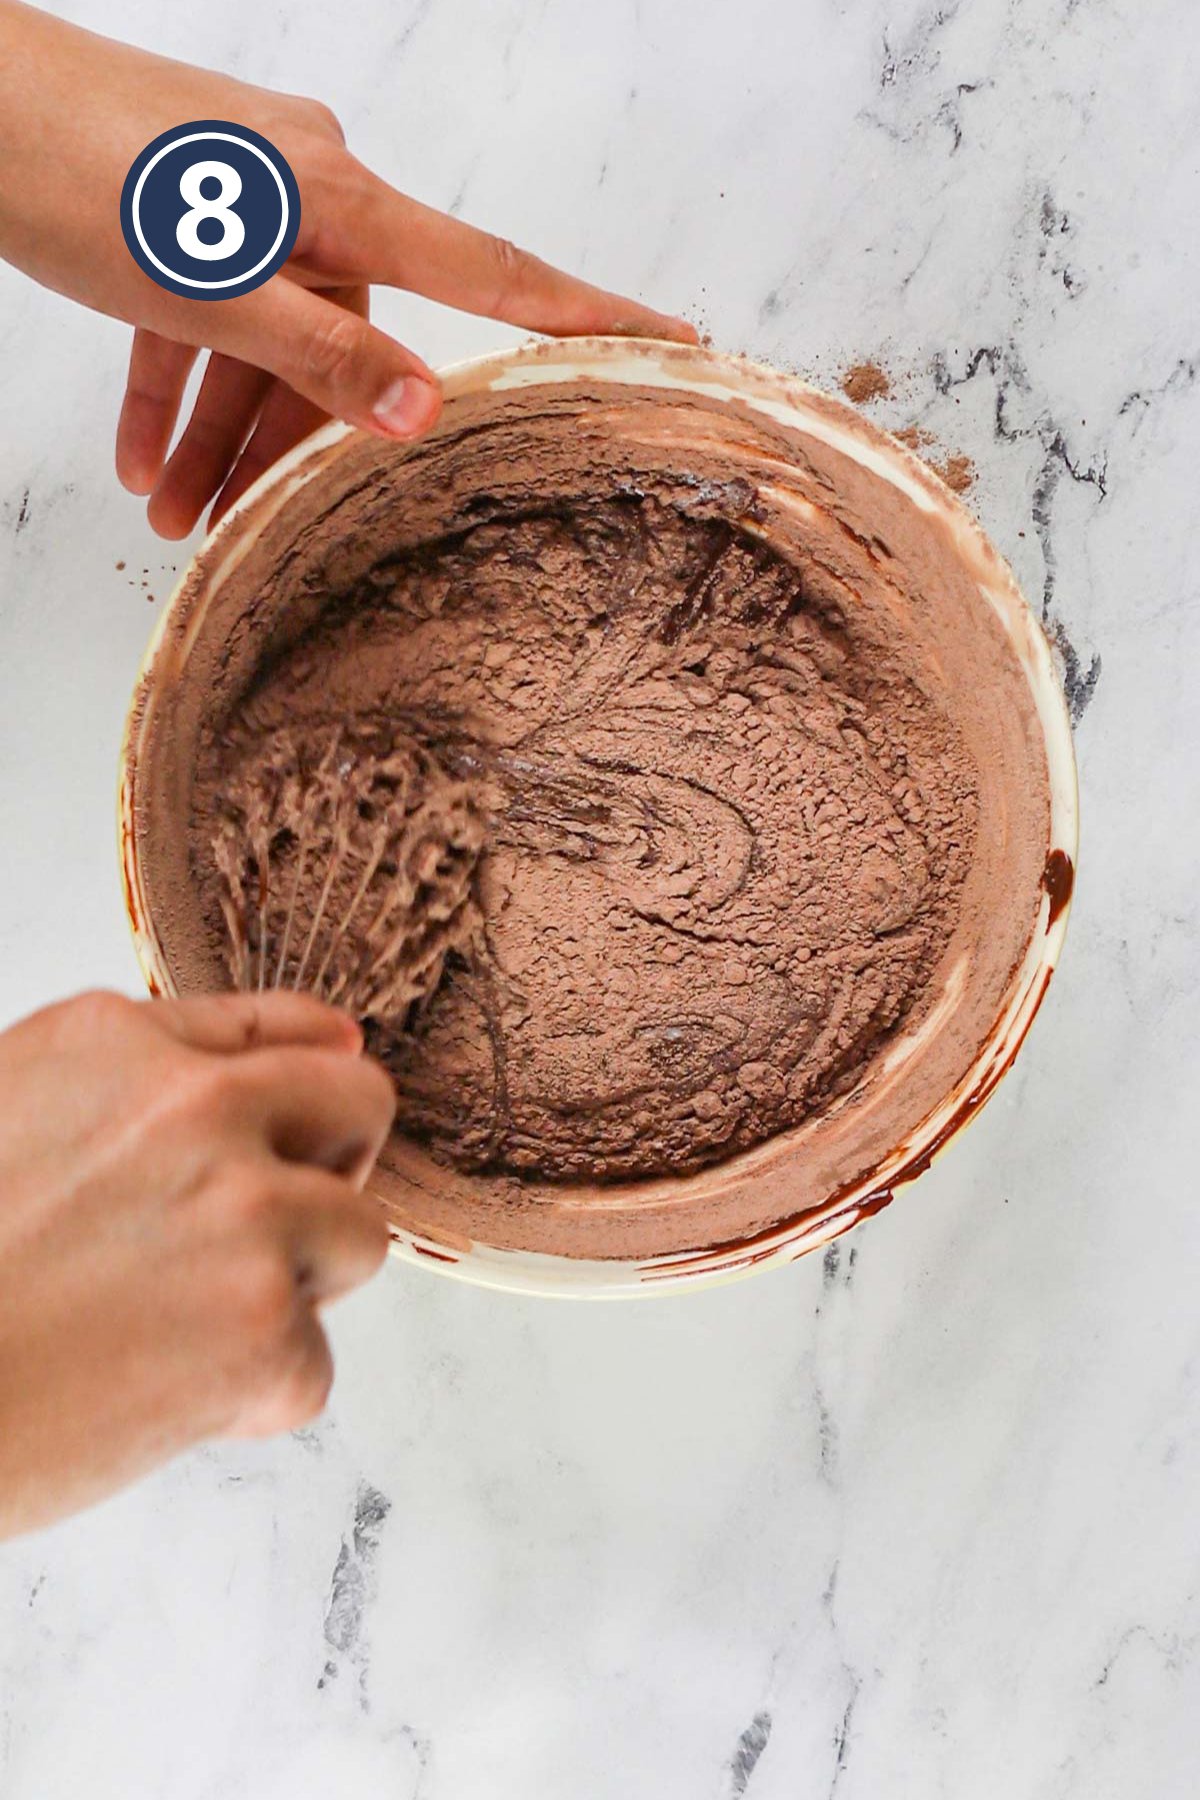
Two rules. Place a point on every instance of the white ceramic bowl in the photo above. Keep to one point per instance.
(794, 404)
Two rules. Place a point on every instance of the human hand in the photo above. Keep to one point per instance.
(299, 349)
(180, 1191)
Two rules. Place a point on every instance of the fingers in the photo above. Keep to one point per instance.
(292, 1382)
(336, 1237)
(408, 245)
(229, 1023)
(158, 372)
(286, 418)
(335, 363)
(298, 1083)
(312, 1107)
(214, 457)
(302, 1239)
(334, 358)
(227, 405)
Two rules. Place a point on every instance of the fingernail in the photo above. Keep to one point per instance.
(404, 407)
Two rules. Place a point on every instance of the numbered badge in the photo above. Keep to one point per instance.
(210, 210)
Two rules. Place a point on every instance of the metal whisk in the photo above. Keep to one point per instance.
(346, 859)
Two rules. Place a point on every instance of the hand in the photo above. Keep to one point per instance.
(180, 1191)
(297, 350)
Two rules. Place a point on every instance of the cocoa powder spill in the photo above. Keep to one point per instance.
(864, 382)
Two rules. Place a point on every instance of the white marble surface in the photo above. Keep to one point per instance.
(915, 1520)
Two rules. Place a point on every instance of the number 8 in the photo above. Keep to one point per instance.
(233, 232)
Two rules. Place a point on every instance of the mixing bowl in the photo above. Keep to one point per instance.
(783, 1181)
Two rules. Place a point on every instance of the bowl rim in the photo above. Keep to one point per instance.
(787, 399)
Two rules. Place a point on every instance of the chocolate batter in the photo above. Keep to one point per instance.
(745, 794)
(726, 830)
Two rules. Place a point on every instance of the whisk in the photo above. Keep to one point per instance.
(346, 860)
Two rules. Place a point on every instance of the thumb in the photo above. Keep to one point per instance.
(334, 358)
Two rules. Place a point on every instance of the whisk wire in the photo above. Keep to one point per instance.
(309, 813)
(396, 832)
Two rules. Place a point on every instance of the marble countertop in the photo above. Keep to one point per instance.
(916, 1518)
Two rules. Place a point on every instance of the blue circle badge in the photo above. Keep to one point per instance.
(210, 210)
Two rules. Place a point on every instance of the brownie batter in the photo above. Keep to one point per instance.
(726, 823)
(727, 777)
